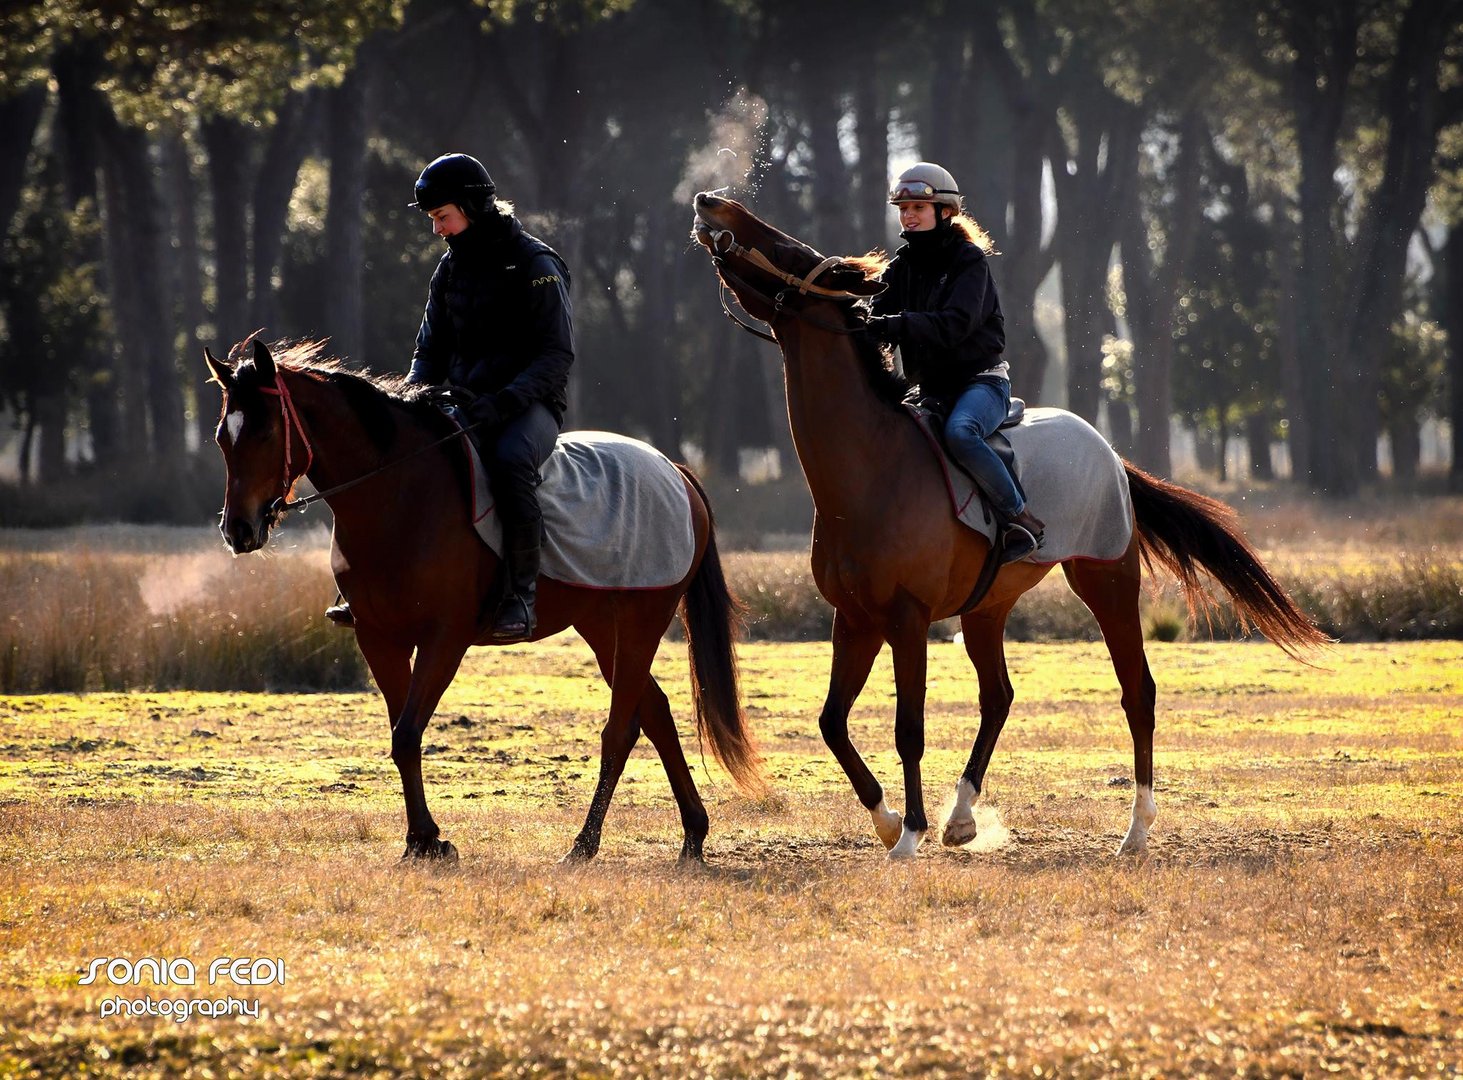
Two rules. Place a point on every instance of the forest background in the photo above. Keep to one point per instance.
(1231, 226)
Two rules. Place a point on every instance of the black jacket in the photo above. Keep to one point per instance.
(498, 319)
(952, 328)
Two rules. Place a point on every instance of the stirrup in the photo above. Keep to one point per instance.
(1020, 542)
(341, 614)
(513, 622)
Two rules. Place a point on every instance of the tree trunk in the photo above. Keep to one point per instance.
(80, 107)
(872, 176)
(831, 225)
(1287, 341)
(1257, 435)
(188, 280)
(1450, 312)
(148, 343)
(1374, 298)
(279, 169)
(20, 114)
(1406, 437)
(1025, 263)
(661, 404)
(1325, 53)
(49, 413)
(1153, 362)
(345, 260)
(121, 241)
(228, 145)
(1086, 236)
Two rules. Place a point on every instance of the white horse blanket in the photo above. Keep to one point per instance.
(616, 513)
(1073, 480)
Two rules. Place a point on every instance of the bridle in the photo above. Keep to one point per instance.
(804, 285)
(290, 416)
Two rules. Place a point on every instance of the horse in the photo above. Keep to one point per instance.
(405, 553)
(891, 558)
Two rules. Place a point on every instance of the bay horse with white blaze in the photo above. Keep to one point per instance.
(405, 553)
(890, 556)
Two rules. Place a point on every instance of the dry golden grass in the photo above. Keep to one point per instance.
(1299, 912)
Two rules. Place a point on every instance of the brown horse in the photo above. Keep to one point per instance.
(890, 556)
(405, 554)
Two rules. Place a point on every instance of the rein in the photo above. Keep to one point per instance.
(291, 416)
(804, 285)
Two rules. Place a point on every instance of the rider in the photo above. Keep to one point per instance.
(941, 309)
(499, 325)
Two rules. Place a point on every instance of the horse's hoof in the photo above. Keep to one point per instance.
(907, 847)
(887, 824)
(958, 832)
(430, 851)
(689, 863)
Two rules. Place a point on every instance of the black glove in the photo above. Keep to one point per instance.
(888, 328)
(484, 413)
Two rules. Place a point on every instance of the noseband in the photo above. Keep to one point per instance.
(804, 285)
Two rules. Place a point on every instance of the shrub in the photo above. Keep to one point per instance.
(86, 620)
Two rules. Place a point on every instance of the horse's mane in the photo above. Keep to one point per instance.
(377, 398)
(877, 363)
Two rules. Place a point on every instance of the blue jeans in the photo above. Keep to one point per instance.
(977, 413)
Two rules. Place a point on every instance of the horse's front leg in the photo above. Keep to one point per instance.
(412, 693)
(908, 642)
(854, 650)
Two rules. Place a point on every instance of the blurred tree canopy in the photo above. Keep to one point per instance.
(1245, 212)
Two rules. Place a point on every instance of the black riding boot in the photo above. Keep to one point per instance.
(516, 617)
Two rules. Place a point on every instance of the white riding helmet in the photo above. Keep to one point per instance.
(925, 181)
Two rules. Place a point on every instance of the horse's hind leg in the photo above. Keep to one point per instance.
(854, 651)
(1110, 591)
(660, 727)
(985, 644)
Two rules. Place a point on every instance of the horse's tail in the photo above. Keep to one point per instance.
(1185, 531)
(710, 615)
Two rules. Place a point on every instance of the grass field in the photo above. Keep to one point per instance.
(1301, 910)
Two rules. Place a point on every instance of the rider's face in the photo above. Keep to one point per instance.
(448, 220)
(916, 216)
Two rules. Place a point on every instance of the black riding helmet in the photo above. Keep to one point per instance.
(455, 178)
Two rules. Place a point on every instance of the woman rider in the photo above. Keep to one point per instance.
(499, 325)
(942, 311)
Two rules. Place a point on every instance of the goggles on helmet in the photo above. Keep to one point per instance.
(916, 191)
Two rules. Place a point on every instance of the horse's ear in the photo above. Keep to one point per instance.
(221, 372)
(263, 361)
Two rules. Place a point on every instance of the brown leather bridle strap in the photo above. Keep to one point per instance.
(804, 285)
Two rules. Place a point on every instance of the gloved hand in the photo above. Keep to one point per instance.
(484, 413)
(887, 328)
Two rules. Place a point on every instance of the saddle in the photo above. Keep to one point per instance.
(933, 421)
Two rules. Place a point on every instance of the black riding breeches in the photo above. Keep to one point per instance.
(512, 456)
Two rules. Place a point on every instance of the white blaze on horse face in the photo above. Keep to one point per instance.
(1145, 812)
(233, 424)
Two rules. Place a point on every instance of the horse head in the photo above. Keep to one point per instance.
(254, 436)
(770, 271)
